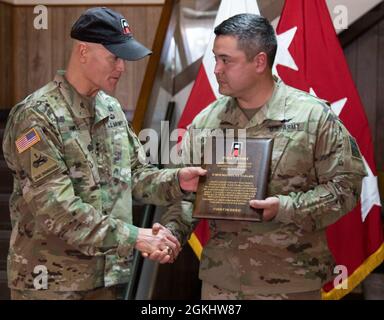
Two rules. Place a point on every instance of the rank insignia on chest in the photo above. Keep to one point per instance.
(27, 140)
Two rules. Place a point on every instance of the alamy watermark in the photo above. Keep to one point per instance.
(40, 281)
(340, 19)
(203, 146)
(40, 22)
(341, 280)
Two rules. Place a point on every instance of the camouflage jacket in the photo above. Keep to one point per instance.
(316, 172)
(76, 165)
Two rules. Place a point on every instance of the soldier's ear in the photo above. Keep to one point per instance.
(82, 51)
(261, 62)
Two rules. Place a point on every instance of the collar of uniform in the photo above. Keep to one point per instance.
(259, 117)
(80, 106)
(276, 106)
(102, 107)
(233, 115)
(273, 110)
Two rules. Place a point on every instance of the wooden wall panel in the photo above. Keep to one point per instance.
(20, 55)
(367, 74)
(6, 74)
(365, 57)
(380, 102)
(350, 53)
(39, 53)
(144, 22)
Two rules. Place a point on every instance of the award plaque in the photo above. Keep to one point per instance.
(238, 172)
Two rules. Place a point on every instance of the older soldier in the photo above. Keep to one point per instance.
(76, 165)
(315, 175)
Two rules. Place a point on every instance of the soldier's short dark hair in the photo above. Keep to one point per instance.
(254, 34)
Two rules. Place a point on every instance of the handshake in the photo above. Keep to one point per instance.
(158, 244)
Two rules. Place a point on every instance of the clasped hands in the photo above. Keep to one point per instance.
(158, 244)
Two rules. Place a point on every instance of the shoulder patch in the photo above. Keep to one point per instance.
(354, 148)
(27, 140)
(42, 165)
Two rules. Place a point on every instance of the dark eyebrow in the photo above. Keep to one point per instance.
(221, 55)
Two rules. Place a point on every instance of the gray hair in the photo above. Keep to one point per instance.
(254, 34)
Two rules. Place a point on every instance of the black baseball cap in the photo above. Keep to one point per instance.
(109, 28)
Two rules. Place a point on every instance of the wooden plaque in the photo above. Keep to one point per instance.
(238, 172)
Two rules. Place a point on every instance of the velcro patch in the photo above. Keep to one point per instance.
(42, 165)
(27, 140)
(354, 148)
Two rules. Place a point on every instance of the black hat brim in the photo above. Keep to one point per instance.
(130, 50)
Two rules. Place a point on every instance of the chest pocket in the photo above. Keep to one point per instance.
(82, 167)
(117, 171)
(280, 142)
(279, 145)
(117, 153)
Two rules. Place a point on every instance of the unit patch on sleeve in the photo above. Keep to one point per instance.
(354, 148)
(27, 140)
(42, 165)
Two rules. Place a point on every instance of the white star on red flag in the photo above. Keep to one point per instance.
(283, 56)
(336, 106)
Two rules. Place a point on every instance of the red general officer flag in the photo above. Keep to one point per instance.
(310, 58)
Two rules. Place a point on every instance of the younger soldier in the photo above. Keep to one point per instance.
(315, 175)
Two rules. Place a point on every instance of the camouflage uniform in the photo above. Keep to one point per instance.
(76, 165)
(316, 172)
(103, 293)
(212, 292)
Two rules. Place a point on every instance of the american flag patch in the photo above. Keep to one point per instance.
(27, 140)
